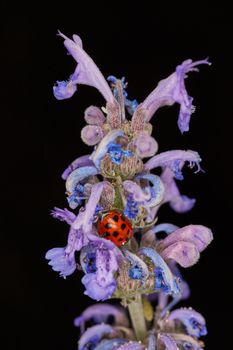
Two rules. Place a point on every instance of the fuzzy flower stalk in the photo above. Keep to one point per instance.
(114, 235)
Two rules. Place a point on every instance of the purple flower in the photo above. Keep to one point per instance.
(73, 188)
(185, 244)
(86, 72)
(99, 262)
(101, 313)
(77, 163)
(80, 233)
(171, 90)
(103, 146)
(164, 280)
(193, 321)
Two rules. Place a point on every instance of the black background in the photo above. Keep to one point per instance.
(40, 136)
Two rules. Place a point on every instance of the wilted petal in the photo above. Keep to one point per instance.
(100, 313)
(193, 321)
(87, 72)
(102, 147)
(184, 253)
(168, 159)
(77, 163)
(93, 335)
(146, 146)
(63, 215)
(64, 89)
(94, 116)
(167, 341)
(171, 90)
(199, 235)
(92, 134)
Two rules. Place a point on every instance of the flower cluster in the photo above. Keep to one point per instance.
(179, 329)
(115, 198)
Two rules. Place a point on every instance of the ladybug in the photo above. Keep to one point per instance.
(115, 227)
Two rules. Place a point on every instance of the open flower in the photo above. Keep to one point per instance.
(99, 262)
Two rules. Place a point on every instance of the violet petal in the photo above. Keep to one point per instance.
(187, 342)
(78, 175)
(132, 345)
(171, 90)
(84, 219)
(156, 190)
(193, 321)
(160, 263)
(102, 147)
(139, 263)
(64, 89)
(77, 163)
(63, 215)
(92, 134)
(167, 159)
(167, 341)
(100, 313)
(178, 202)
(146, 146)
(184, 287)
(61, 261)
(94, 290)
(184, 253)
(94, 116)
(199, 235)
(88, 72)
(112, 344)
(93, 335)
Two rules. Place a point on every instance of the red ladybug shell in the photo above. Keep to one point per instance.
(115, 227)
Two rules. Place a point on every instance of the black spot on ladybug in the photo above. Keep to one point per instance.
(123, 226)
(120, 239)
(128, 232)
(115, 218)
(122, 218)
(107, 225)
(106, 234)
(115, 233)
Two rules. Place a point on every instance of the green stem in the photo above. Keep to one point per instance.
(137, 318)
